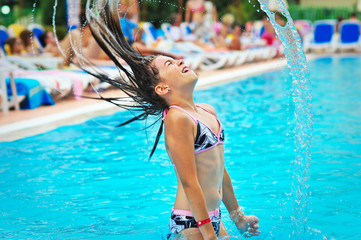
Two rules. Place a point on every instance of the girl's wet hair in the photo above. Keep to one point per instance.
(139, 83)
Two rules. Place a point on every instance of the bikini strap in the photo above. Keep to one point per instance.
(165, 112)
(207, 110)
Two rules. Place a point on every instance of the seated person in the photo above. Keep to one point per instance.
(235, 43)
(176, 31)
(77, 40)
(353, 17)
(65, 48)
(14, 47)
(29, 45)
(269, 33)
(228, 38)
(140, 46)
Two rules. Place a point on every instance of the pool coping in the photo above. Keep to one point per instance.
(26, 128)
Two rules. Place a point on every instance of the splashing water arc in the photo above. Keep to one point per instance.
(302, 97)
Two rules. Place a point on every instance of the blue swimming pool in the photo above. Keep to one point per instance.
(93, 181)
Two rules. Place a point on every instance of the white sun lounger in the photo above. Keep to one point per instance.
(323, 37)
(349, 38)
(5, 102)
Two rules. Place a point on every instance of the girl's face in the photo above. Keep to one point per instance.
(174, 73)
(18, 46)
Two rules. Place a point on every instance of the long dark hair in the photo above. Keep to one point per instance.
(139, 83)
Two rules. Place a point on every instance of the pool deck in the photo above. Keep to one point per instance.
(23, 123)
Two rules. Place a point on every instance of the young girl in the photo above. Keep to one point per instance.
(194, 136)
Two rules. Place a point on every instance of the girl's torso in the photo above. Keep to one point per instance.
(197, 8)
(209, 157)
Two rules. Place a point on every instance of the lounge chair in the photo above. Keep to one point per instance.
(197, 56)
(349, 37)
(59, 83)
(186, 31)
(3, 37)
(304, 27)
(151, 34)
(323, 37)
(6, 101)
(151, 39)
(37, 30)
(166, 29)
(209, 60)
(14, 30)
(257, 29)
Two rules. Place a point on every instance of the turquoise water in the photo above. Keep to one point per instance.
(93, 181)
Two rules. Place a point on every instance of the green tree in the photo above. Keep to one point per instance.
(47, 9)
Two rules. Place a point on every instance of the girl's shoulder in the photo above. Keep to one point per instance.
(208, 107)
(178, 116)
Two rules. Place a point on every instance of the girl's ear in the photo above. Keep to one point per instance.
(162, 89)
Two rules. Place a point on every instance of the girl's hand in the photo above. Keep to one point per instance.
(247, 225)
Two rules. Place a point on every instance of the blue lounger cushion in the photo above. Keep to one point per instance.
(323, 33)
(35, 94)
(350, 33)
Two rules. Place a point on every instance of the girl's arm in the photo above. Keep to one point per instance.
(229, 198)
(245, 224)
(179, 137)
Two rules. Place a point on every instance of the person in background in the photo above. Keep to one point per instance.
(79, 40)
(70, 43)
(140, 46)
(353, 17)
(176, 31)
(228, 38)
(14, 47)
(195, 15)
(269, 34)
(29, 45)
(339, 20)
(235, 43)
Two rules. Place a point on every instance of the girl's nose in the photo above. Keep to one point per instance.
(180, 62)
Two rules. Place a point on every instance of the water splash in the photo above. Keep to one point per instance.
(302, 98)
(32, 36)
(54, 29)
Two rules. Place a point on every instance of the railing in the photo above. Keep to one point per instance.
(314, 14)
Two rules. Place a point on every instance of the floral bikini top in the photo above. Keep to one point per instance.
(205, 139)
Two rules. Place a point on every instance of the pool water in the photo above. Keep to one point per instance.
(93, 181)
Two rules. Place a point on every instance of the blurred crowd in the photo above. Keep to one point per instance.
(201, 26)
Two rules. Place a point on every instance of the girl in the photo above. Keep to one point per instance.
(194, 137)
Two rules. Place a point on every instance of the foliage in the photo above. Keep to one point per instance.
(319, 13)
(47, 11)
(61, 31)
